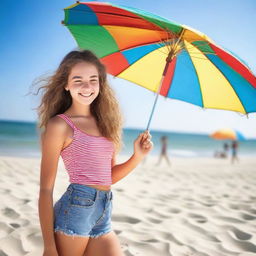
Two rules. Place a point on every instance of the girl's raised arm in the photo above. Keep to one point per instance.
(52, 141)
(142, 146)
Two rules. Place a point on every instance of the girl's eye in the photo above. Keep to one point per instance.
(80, 81)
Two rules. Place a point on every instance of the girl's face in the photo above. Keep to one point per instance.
(83, 83)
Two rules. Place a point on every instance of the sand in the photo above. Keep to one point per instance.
(196, 207)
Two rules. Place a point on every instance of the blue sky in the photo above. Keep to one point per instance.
(33, 42)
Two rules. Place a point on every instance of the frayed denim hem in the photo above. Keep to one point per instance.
(69, 232)
(100, 234)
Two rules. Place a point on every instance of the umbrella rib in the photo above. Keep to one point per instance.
(204, 52)
(120, 15)
(136, 83)
(196, 57)
(231, 87)
(138, 45)
(115, 14)
(202, 99)
(226, 79)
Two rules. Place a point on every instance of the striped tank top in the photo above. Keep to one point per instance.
(88, 158)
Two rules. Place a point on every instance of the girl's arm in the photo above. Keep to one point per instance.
(51, 144)
(142, 146)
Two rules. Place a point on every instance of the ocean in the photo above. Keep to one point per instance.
(22, 139)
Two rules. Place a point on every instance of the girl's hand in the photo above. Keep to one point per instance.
(143, 145)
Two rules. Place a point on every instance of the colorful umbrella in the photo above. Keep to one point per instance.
(173, 60)
(227, 134)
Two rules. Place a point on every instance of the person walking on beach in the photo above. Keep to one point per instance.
(163, 153)
(234, 148)
(82, 124)
(225, 148)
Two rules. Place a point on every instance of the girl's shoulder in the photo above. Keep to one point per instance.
(56, 124)
(56, 128)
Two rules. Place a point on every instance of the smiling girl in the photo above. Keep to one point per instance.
(82, 123)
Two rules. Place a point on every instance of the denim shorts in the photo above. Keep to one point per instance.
(83, 211)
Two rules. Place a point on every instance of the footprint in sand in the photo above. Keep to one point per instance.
(5, 230)
(174, 210)
(252, 211)
(158, 214)
(239, 234)
(118, 231)
(151, 241)
(2, 253)
(198, 218)
(155, 221)
(121, 218)
(234, 206)
(24, 222)
(7, 191)
(149, 210)
(14, 225)
(9, 212)
(229, 219)
(26, 201)
(247, 216)
(208, 204)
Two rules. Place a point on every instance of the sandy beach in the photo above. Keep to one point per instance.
(196, 207)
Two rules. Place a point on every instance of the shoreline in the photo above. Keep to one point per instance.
(122, 155)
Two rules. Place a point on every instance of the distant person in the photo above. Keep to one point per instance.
(234, 148)
(226, 148)
(220, 154)
(224, 153)
(163, 153)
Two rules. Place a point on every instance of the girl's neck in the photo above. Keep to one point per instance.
(76, 115)
(79, 112)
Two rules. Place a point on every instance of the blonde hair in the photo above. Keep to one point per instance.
(56, 100)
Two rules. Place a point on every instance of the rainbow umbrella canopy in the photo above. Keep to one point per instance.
(227, 134)
(173, 60)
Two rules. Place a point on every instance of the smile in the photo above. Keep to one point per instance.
(85, 95)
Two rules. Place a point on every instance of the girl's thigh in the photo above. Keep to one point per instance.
(105, 245)
(70, 245)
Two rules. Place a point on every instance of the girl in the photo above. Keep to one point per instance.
(82, 124)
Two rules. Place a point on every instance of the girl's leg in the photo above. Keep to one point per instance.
(69, 245)
(159, 161)
(105, 245)
(167, 159)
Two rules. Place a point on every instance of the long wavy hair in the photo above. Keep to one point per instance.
(56, 100)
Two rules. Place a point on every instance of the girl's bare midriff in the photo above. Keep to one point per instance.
(100, 187)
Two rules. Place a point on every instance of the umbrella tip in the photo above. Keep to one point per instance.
(62, 22)
(78, 2)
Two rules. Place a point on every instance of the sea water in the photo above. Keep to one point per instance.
(22, 139)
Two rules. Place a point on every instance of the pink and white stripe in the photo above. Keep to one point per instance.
(88, 158)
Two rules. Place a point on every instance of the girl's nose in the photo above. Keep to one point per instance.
(85, 84)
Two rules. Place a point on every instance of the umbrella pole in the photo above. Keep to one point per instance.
(173, 52)
(153, 109)
(168, 61)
